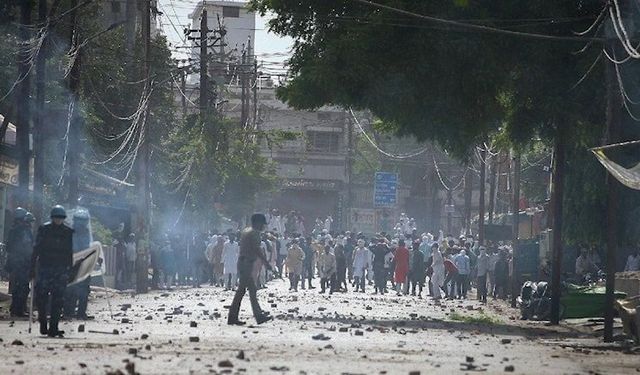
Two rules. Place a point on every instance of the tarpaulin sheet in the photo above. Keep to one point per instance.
(629, 177)
(585, 301)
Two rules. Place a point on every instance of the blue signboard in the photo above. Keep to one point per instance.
(385, 189)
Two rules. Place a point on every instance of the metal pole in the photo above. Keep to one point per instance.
(611, 135)
(481, 208)
(557, 194)
(515, 279)
(38, 123)
(73, 151)
(23, 122)
(204, 70)
(143, 204)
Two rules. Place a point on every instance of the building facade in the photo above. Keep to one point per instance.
(312, 168)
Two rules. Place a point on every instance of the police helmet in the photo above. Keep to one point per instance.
(20, 213)
(29, 218)
(58, 212)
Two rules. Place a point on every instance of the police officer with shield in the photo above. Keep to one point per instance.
(19, 251)
(51, 264)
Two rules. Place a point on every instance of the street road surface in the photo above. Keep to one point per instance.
(184, 331)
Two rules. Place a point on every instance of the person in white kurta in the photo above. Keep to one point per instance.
(230, 262)
(327, 223)
(437, 278)
(360, 264)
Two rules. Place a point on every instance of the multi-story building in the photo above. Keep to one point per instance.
(237, 21)
(312, 168)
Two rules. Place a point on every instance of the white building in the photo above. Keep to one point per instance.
(236, 19)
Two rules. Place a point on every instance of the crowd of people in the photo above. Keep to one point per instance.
(403, 262)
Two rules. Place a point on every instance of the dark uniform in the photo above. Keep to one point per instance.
(249, 252)
(417, 271)
(19, 251)
(53, 258)
(379, 251)
(77, 295)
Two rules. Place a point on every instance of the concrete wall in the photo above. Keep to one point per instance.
(628, 282)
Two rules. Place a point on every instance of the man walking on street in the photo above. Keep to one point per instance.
(52, 258)
(249, 253)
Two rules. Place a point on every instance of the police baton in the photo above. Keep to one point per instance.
(31, 304)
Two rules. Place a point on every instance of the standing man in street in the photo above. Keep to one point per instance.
(482, 272)
(52, 260)
(380, 251)
(249, 253)
(19, 251)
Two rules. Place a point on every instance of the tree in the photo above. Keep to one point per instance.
(448, 84)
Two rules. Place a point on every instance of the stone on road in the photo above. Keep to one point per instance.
(184, 331)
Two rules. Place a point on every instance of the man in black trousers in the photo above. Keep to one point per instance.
(250, 252)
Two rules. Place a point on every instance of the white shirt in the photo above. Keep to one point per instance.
(633, 263)
(327, 224)
(130, 248)
(230, 253)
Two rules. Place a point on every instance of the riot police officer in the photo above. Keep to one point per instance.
(77, 295)
(52, 258)
(19, 250)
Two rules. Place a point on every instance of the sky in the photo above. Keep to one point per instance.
(176, 18)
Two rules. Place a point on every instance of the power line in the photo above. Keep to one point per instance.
(393, 156)
(439, 174)
(479, 27)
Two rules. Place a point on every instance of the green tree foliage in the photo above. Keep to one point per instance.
(456, 85)
(445, 83)
(215, 164)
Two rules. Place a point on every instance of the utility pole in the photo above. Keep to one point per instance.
(468, 192)
(204, 70)
(612, 135)
(449, 211)
(492, 188)
(515, 282)
(350, 153)
(556, 199)
(255, 93)
(74, 148)
(243, 83)
(143, 204)
(23, 123)
(38, 123)
(130, 29)
(183, 88)
(483, 172)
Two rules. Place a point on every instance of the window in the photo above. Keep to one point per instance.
(323, 141)
(230, 12)
(115, 6)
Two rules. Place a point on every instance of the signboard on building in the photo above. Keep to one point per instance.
(307, 184)
(385, 189)
(363, 220)
(8, 171)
